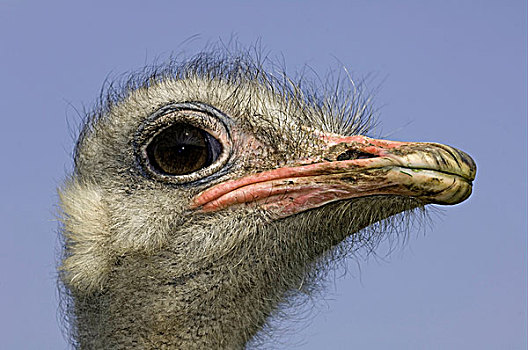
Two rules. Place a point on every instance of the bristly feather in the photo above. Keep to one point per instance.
(341, 105)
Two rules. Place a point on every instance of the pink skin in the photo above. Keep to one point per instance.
(378, 145)
(396, 168)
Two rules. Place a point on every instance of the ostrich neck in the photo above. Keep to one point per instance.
(164, 301)
(211, 308)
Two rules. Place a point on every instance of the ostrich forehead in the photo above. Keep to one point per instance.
(241, 100)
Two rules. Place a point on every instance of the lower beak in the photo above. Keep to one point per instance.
(351, 167)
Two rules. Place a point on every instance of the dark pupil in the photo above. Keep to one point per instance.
(182, 149)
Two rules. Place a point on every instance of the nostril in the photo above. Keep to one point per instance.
(353, 154)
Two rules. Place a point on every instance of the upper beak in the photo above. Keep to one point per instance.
(351, 167)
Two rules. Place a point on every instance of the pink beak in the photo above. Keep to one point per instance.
(350, 167)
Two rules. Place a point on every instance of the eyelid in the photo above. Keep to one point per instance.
(211, 121)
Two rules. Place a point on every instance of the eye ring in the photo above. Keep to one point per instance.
(195, 118)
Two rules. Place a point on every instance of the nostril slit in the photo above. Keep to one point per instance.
(353, 154)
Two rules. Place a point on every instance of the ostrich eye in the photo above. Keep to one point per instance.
(184, 143)
(182, 149)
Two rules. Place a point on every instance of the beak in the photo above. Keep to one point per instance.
(351, 167)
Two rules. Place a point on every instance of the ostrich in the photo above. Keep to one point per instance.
(206, 193)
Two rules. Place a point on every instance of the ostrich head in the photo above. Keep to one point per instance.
(207, 192)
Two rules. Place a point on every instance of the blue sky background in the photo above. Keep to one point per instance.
(450, 71)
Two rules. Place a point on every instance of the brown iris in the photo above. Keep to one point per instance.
(182, 149)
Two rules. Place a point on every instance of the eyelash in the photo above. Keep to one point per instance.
(171, 115)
